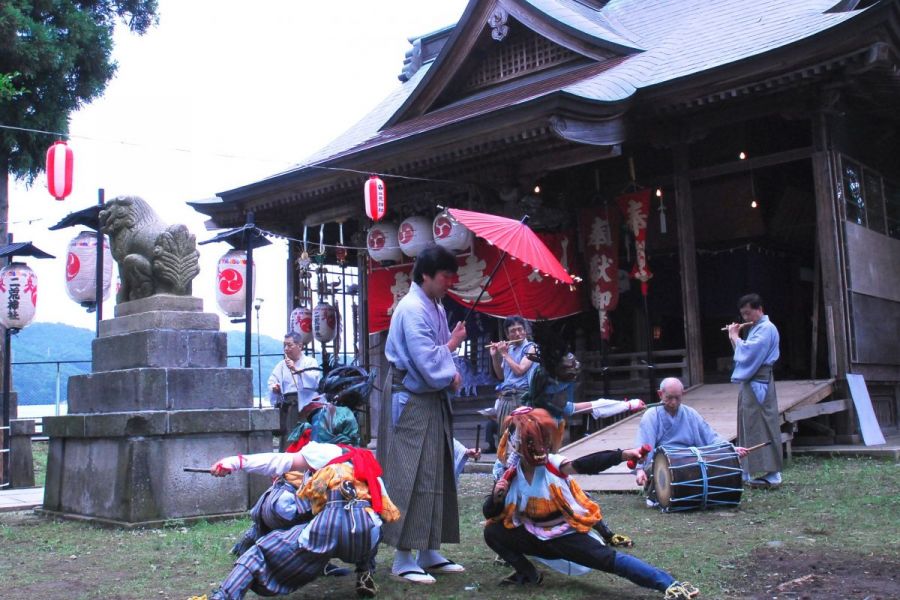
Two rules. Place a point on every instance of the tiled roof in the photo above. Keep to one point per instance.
(676, 38)
(686, 37)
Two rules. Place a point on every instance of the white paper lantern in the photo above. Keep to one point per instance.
(381, 242)
(324, 322)
(450, 233)
(18, 295)
(231, 288)
(301, 324)
(81, 268)
(414, 234)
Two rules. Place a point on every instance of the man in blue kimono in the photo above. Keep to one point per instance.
(417, 421)
(672, 424)
(758, 422)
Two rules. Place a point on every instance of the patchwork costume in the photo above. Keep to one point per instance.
(550, 517)
(347, 505)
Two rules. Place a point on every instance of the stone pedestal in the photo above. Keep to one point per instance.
(21, 459)
(159, 398)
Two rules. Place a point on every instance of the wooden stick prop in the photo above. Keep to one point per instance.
(196, 470)
(477, 437)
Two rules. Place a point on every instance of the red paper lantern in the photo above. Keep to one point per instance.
(376, 198)
(59, 170)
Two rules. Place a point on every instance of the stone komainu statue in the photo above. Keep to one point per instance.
(153, 258)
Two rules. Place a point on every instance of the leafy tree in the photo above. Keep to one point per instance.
(59, 55)
(55, 56)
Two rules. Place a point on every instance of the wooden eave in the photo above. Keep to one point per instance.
(447, 132)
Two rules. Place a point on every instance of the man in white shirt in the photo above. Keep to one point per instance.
(293, 384)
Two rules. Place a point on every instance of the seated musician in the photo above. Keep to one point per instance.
(537, 509)
(672, 424)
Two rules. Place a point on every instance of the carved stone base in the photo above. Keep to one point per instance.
(160, 398)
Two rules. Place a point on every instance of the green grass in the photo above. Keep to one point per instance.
(828, 506)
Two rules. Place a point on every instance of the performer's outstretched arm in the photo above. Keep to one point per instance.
(599, 461)
(267, 463)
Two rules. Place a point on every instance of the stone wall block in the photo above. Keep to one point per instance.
(118, 391)
(160, 348)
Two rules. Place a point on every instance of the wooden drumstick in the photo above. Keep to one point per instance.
(196, 470)
(757, 447)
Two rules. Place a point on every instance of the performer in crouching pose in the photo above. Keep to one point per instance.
(536, 509)
(348, 503)
(332, 421)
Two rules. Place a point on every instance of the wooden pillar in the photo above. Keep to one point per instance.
(687, 259)
(829, 233)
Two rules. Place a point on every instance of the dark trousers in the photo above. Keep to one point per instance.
(513, 544)
(287, 419)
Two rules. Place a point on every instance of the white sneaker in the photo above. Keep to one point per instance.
(651, 504)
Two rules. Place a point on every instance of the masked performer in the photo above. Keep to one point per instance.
(538, 510)
(330, 421)
(348, 504)
(330, 418)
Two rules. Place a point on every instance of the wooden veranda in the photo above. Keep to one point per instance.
(717, 403)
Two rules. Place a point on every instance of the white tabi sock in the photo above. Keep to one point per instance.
(428, 558)
(773, 477)
(404, 561)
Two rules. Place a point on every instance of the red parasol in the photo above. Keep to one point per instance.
(514, 238)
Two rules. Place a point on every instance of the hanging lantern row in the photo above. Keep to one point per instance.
(387, 243)
(18, 295)
(376, 198)
(231, 278)
(81, 268)
(59, 170)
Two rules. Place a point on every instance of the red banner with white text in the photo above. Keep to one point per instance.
(515, 289)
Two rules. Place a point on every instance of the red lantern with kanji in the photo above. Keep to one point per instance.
(59, 170)
(376, 198)
(231, 283)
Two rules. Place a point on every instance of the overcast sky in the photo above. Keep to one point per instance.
(220, 94)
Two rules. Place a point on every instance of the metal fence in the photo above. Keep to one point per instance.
(42, 386)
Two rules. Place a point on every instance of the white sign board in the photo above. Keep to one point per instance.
(868, 424)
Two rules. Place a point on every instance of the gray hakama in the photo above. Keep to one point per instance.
(758, 423)
(418, 471)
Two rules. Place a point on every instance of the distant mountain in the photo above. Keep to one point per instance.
(53, 344)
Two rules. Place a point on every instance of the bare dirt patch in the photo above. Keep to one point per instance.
(804, 574)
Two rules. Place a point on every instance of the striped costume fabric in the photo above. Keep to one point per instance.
(280, 562)
(419, 472)
(267, 517)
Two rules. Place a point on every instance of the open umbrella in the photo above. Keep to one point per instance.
(514, 238)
